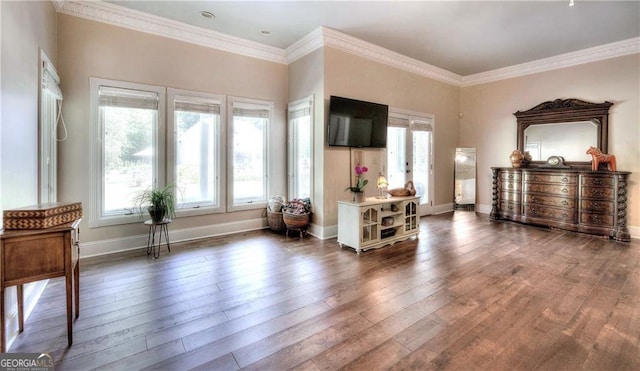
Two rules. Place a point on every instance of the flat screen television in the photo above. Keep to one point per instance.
(355, 123)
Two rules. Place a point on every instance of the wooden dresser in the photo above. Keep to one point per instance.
(593, 202)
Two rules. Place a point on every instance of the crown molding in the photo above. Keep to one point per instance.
(117, 15)
(312, 41)
(379, 54)
(598, 53)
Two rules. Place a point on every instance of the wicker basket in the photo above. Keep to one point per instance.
(275, 221)
(295, 220)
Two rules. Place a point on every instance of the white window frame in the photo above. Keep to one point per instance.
(255, 104)
(306, 103)
(189, 209)
(50, 113)
(97, 218)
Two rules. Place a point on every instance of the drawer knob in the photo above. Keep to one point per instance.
(597, 181)
(565, 179)
(564, 190)
(565, 203)
(597, 192)
(534, 199)
(510, 185)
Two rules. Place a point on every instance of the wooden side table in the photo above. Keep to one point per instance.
(39, 254)
(155, 227)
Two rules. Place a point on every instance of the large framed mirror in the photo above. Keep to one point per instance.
(563, 127)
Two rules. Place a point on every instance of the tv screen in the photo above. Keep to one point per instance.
(355, 123)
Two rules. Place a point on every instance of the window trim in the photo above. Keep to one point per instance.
(303, 103)
(220, 99)
(97, 219)
(50, 107)
(259, 104)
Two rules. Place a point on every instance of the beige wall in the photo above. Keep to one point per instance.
(27, 27)
(91, 49)
(359, 78)
(489, 125)
(306, 78)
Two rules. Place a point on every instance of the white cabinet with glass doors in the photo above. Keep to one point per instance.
(380, 222)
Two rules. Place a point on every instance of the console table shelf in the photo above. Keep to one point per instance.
(380, 222)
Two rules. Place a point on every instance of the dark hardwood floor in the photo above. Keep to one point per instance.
(469, 294)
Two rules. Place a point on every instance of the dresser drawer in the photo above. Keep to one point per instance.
(596, 219)
(559, 214)
(597, 206)
(551, 178)
(550, 200)
(510, 186)
(510, 196)
(562, 190)
(600, 193)
(510, 175)
(598, 181)
(510, 208)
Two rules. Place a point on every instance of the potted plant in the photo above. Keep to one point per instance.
(159, 202)
(361, 182)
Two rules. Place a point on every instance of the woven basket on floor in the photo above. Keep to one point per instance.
(275, 221)
(295, 220)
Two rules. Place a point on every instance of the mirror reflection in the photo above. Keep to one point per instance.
(569, 140)
(465, 178)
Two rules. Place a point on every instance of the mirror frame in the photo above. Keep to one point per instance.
(566, 111)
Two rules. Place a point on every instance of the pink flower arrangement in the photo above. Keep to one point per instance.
(361, 182)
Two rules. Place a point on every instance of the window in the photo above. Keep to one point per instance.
(300, 148)
(50, 114)
(248, 153)
(409, 154)
(128, 153)
(196, 151)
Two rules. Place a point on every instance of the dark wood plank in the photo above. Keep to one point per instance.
(493, 295)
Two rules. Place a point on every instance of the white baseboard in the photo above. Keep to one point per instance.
(443, 208)
(110, 246)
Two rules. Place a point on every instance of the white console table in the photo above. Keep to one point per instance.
(377, 222)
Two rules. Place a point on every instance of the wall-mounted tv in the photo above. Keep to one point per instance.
(355, 123)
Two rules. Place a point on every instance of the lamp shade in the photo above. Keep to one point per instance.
(382, 181)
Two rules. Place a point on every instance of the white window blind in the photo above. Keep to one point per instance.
(397, 121)
(192, 104)
(128, 98)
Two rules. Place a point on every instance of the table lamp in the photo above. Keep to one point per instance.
(382, 185)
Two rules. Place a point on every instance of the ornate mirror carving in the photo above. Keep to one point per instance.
(563, 127)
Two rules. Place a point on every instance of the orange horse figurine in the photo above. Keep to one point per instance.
(597, 157)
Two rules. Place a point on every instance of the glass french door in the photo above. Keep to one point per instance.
(409, 156)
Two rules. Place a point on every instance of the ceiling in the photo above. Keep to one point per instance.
(463, 37)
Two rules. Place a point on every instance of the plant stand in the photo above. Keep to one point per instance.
(151, 238)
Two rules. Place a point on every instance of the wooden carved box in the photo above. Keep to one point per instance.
(41, 216)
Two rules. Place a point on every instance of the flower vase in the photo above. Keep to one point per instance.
(358, 197)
